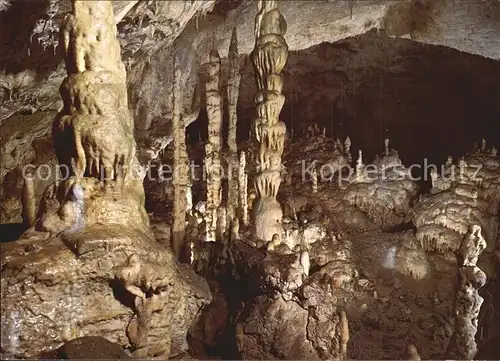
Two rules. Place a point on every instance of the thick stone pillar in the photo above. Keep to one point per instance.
(269, 58)
(93, 133)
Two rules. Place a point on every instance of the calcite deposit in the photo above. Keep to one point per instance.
(269, 58)
(465, 194)
(298, 231)
(90, 265)
(384, 190)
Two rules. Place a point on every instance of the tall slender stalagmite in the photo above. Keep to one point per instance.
(233, 90)
(180, 176)
(213, 146)
(243, 188)
(269, 58)
(233, 85)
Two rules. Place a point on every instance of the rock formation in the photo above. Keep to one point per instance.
(462, 195)
(269, 58)
(213, 146)
(180, 179)
(28, 201)
(468, 301)
(233, 85)
(243, 189)
(383, 190)
(90, 264)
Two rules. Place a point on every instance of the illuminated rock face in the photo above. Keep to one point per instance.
(269, 58)
(90, 262)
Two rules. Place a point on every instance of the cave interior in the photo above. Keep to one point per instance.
(238, 179)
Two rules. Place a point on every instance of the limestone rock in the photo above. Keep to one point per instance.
(55, 289)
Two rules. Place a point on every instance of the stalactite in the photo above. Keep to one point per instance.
(180, 179)
(213, 146)
(232, 95)
(269, 58)
(28, 201)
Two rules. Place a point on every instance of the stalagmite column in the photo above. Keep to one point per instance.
(243, 189)
(269, 58)
(180, 179)
(233, 89)
(93, 133)
(95, 110)
(233, 85)
(213, 146)
(468, 301)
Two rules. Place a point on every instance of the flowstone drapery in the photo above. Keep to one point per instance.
(269, 58)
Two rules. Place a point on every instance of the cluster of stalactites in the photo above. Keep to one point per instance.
(269, 58)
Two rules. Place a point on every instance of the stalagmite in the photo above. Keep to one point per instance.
(347, 145)
(468, 301)
(483, 145)
(269, 58)
(359, 164)
(314, 176)
(243, 189)
(213, 146)
(413, 353)
(386, 146)
(305, 262)
(221, 222)
(344, 334)
(233, 85)
(180, 179)
(28, 201)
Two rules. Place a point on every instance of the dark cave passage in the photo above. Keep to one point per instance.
(426, 99)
